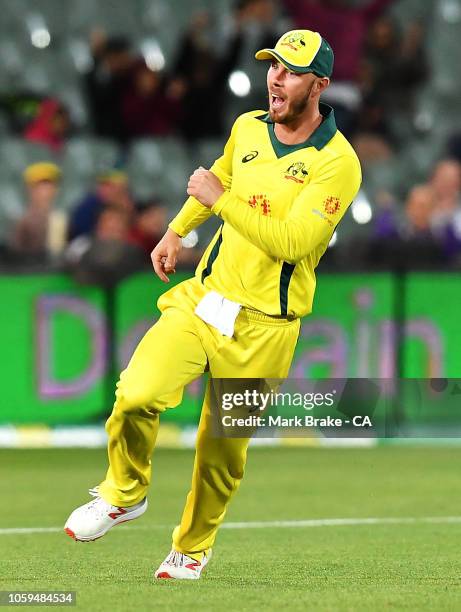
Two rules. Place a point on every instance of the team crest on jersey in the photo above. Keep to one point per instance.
(296, 172)
(293, 41)
(261, 202)
(331, 205)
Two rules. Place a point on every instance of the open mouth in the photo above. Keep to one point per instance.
(277, 102)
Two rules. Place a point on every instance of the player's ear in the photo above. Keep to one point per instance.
(322, 84)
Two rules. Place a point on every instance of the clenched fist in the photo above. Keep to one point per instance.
(165, 254)
(205, 186)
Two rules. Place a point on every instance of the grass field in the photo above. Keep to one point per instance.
(395, 566)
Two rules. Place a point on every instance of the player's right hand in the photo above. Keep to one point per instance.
(165, 254)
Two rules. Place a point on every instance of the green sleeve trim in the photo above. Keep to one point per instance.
(285, 278)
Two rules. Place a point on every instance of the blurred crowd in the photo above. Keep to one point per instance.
(422, 234)
(379, 69)
(130, 95)
(107, 236)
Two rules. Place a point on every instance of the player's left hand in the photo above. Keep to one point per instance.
(205, 186)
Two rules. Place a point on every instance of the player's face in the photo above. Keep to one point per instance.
(288, 93)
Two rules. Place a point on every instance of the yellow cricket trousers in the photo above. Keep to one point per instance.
(175, 351)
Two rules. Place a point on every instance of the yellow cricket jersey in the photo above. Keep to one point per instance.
(280, 207)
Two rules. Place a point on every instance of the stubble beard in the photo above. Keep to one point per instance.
(294, 111)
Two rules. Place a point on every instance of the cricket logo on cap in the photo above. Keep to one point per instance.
(294, 41)
(296, 172)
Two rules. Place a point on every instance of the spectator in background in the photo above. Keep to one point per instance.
(255, 18)
(385, 224)
(149, 225)
(111, 189)
(419, 209)
(205, 69)
(394, 62)
(107, 82)
(106, 256)
(372, 146)
(204, 74)
(446, 183)
(446, 219)
(430, 233)
(150, 106)
(411, 243)
(454, 146)
(51, 125)
(20, 108)
(40, 233)
(345, 27)
(423, 247)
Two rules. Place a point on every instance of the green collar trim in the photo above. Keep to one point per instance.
(322, 135)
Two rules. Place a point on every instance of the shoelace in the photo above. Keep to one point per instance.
(97, 501)
(179, 559)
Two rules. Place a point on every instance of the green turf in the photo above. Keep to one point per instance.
(369, 567)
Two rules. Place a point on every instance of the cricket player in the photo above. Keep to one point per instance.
(283, 183)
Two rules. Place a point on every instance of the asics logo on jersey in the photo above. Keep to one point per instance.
(249, 156)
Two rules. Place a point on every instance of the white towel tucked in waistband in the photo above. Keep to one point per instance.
(219, 312)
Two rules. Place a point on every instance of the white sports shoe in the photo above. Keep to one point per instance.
(92, 520)
(180, 566)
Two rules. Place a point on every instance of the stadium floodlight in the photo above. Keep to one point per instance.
(239, 83)
(333, 240)
(451, 11)
(153, 54)
(40, 38)
(362, 212)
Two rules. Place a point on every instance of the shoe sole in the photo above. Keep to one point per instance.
(135, 514)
